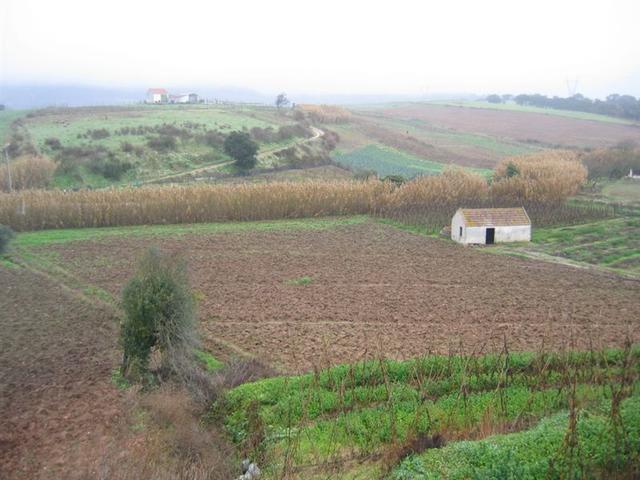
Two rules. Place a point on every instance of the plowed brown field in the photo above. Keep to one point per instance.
(520, 126)
(59, 409)
(374, 290)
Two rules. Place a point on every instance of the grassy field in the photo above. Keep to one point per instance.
(525, 108)
(389, 161)
(7, 117)
(123, 135)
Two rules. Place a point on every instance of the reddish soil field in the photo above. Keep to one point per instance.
(58, 406)
(520, 126)
(375, 290)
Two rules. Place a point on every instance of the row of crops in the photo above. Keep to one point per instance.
(388, 161)
(352, 418)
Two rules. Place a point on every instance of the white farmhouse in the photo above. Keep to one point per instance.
(634, 173)
(157, 95)
(486, 226)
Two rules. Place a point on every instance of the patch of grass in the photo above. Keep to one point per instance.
(47, 237)
(306, 280)
(119, 380)
(99, 293)
(210, 362)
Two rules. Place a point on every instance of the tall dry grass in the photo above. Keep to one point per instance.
(27, 171)
(548, 177)
(37, 209)
(540, 182)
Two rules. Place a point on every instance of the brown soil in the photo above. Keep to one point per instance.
(520, 126)
(375, 290)
(58, 406)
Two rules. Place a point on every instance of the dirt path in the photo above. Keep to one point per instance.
(57, 352)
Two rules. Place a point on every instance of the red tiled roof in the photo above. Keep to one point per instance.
(478, 217)
(160, 91)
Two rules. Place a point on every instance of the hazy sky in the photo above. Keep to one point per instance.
(326, 46)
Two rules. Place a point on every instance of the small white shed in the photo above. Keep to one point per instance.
(485, 226)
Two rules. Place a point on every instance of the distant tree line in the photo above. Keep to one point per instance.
(624, 106)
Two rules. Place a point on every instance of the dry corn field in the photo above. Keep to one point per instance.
(543, 179)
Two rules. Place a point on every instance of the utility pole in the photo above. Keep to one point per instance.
(6, 157)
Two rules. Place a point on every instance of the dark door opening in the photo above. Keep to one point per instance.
(491, 235)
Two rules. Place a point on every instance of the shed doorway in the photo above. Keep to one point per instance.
(490, 236)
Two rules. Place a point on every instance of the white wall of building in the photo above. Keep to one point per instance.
(477, 235)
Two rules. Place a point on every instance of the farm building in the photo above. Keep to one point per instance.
(157, 95)
(184, 98)
(634, 173)
(486, 226)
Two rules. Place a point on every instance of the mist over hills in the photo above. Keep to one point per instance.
(37, 96)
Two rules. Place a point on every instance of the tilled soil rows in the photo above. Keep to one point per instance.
(373, 290)
(59, 408)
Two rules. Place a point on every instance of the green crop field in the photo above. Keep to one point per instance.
(609, 244)
(325, 421)
(545, 111)
(388, 161)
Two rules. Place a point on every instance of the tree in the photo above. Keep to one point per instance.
(159, 313)
(494, 98)
(282, 100)
(242, 149)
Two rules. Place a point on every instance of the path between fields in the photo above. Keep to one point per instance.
(317, 133)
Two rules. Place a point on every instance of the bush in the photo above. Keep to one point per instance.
(6, 235)
(242, 149)
(53, 143)
(99, 133)
(162, 143)
(160, 314)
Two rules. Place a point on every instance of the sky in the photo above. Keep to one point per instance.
(328, 46)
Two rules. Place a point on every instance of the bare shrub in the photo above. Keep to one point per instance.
(28, 172)
(549, 177)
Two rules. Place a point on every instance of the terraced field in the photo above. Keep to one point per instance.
(355, 421)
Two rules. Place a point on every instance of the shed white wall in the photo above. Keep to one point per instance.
(520, 233)
(456, 222)
(478, 235)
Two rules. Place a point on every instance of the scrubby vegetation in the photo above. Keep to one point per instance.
(612, 162)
